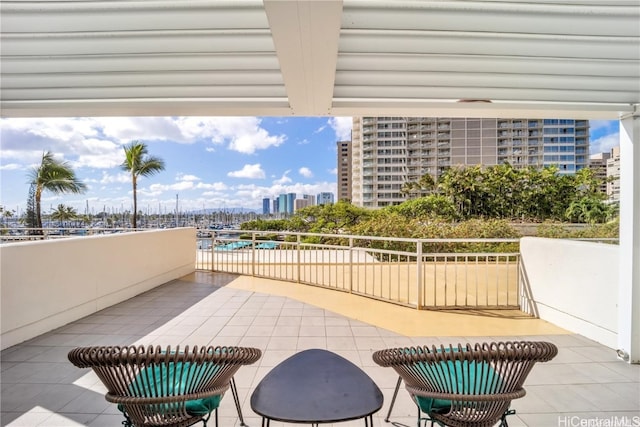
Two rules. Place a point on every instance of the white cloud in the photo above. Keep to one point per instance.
(25, 158)
(604, 144)
(98, 154)
(120, 178)
(248, 171)
(184, 177)
(178, 186)
(242, 134)
(217, 186)
(320, 129)
(303, 142)
(50, 129)
(333, 171)
(11, 167)
(342, 127)
(306, 172)
(78, 140)
(284, 179)
(595, 125)
(66, 135)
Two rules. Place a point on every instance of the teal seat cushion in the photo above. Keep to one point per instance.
(464, 377)
(173, 379)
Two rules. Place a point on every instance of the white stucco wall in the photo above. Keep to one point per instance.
(47, 284)
(574, 285)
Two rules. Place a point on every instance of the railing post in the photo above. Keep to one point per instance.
(298, 256)
(350, 265)
(253, 254)
(214, 237)
(518, 282)
(419, 273)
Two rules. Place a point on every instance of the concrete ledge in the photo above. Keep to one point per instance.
(47, 284)
(574, 285)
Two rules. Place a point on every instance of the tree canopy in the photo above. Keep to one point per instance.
(528, 194)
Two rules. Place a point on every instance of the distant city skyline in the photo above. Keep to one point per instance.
(214, 163)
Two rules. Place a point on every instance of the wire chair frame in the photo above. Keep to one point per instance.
(154, 384)
(474, 384)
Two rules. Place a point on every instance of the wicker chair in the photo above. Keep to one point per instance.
(465, 386)
(153, 386)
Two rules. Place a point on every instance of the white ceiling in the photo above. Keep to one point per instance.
(544, 58)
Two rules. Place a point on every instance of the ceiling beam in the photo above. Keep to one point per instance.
(305, 34)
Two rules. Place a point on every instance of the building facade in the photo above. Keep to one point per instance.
(387, 152)
(344, 170)
(286, 203)
(613, 175)
(598, 164)
(266, 203)
(304, 201)
(310, 199)
(325, 198)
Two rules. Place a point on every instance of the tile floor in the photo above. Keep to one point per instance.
(584, 384)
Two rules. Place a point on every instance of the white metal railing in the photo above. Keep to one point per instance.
(420, 273)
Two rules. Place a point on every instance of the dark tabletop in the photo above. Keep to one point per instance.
(316, 386)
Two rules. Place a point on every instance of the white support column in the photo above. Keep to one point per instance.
(629, 286)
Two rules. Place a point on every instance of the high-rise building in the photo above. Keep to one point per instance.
(325, 198)
(276, 205)
(266, 202)
(306, 200)
(286, 203)
(387, 152)
(291, 202)
(300, 204)
(613, 175)
(598, 164)
(344, 170)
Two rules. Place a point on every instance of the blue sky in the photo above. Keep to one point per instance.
(211, 162)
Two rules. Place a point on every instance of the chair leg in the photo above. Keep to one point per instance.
(127, 421)
(503, 419)
(236, 400)
(393, 399)
(206, 419)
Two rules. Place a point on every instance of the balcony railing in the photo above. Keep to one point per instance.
(420, 273)
(96, 272)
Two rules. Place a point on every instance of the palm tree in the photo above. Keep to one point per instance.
(6, 214)
(64, 213)
(590, 210)
(55, 176)
(138, 162)
(426, 185)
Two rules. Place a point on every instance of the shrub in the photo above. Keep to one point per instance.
(561, 231)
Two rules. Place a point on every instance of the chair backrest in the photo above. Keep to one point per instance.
(157, 385)
(479, 379)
